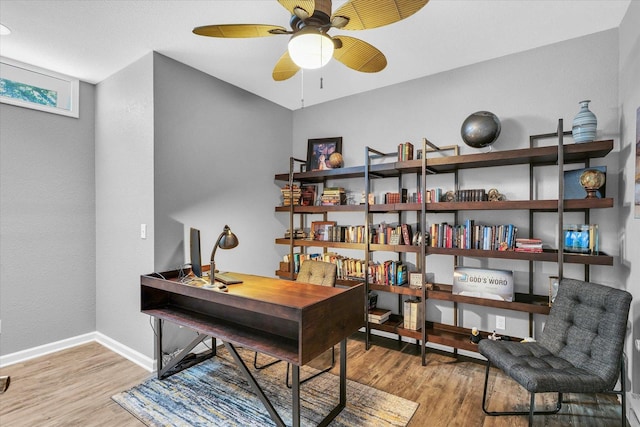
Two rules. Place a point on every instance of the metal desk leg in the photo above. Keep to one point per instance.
(179, 362)
(254, 385)
(295, 395)
(343, 386)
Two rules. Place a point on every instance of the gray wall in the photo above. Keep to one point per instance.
(217, 149)
(124, 200)
(629, 93)
(47, 232)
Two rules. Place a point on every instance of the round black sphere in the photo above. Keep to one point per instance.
(480, 129)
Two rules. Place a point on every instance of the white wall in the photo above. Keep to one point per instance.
(629, 93)
(47, 223)
(124, 200)
(529, 91)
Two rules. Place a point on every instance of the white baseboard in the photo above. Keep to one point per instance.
(31, 353)
(126, 352)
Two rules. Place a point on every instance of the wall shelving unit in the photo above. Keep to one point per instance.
(451, 335)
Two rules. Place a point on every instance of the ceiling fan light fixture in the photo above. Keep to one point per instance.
(310, 48)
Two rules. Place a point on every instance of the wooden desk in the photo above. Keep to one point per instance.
(294, 322)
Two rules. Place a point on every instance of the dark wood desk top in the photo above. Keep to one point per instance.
(289, 320)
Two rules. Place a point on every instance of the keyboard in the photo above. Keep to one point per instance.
(226, 278)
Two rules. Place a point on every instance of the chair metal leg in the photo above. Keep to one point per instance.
(255, 362)
(333, 363)
(531, 412)
(622, 391)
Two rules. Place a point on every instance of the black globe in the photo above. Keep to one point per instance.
(480, 129)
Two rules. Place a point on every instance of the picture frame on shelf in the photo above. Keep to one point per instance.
(319, 150)
(308, 195)
(321, 230)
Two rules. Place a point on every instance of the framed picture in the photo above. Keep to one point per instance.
(322, 230)
(319, 151)
(309, 192)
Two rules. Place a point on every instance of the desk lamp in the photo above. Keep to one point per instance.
(226, 240)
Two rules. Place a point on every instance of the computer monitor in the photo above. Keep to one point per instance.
(196, 258)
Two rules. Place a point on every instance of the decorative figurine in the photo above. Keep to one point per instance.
(475, 336)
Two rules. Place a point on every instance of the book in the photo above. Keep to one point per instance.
(378, 315)
(413, 314)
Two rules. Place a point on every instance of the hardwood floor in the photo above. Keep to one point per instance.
(74, 388)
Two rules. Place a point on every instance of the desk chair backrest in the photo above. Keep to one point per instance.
(587, 326)
(317, 273)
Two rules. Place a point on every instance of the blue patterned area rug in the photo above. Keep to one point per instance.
(215, 393)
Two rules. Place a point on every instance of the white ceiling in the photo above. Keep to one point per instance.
(93, 39)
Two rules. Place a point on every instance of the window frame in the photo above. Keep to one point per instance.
(28, 69)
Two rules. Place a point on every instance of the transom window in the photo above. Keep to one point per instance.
(29, 86)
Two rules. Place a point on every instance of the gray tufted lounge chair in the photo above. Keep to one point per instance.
(580, 350)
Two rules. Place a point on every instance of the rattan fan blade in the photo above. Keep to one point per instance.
(239, 31)
(365, 14)
(359, 55)
(285, 68)
(307, 5)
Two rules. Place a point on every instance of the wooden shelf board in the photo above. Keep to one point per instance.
(523, 302)
(402, 290)
(321, 209)
(320, 244)
(394, 326)
(274, 345)
(547, 155)
(535, 205)
(395, 248)
(549, 255)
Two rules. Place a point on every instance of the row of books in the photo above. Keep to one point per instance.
(383, 234)
(405, 151)
(347, 268)
(386, 234)
(475, 195)
(388, 273)
(472, 236)
(341, 233)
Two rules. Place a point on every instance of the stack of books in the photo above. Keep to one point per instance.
(405, 152)
(413, 315)
(528, 245)
(334, 196)
(290, 196)
(379, 315)
(298, 233)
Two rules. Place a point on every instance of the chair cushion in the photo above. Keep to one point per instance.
(317, 273)
(538, 370)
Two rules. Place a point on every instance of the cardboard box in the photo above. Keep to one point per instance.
(483, 283)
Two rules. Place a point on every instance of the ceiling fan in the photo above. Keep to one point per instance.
(310, 46)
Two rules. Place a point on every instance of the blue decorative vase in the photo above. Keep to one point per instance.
(584, 124)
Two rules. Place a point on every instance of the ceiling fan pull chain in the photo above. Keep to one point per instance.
(321, 80)
(302, 88)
